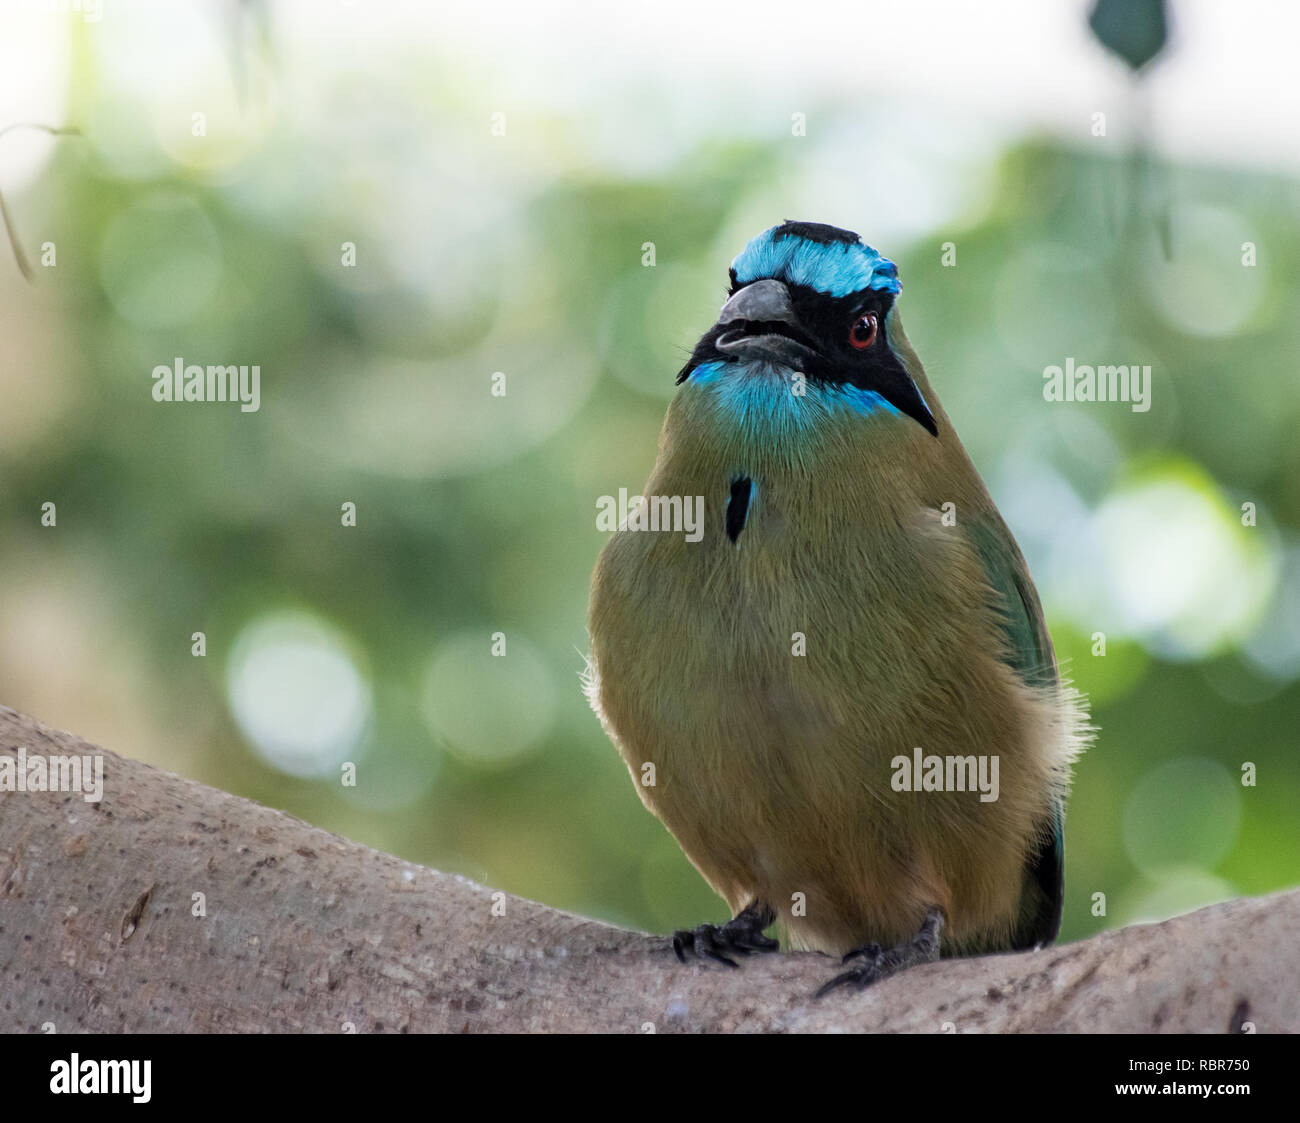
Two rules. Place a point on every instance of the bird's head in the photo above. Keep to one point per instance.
(813, 300)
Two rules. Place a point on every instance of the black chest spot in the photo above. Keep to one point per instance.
(742, 488)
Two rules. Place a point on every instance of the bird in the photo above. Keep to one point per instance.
(854, 611)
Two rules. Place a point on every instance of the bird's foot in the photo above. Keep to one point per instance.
(876, 963)
(741, 935)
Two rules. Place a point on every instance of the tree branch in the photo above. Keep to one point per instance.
(307, 931)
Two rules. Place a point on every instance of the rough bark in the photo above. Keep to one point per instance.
(306, 931)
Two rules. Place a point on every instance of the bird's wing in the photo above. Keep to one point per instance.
(1030, 655)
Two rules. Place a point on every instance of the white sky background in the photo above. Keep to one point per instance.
(1226, 92)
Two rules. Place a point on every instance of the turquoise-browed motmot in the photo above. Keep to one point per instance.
(845, 687)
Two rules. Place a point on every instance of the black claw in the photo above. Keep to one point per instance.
(871, 951)
(861, 974)
(878, 963)
(843, 980)
(741, 935)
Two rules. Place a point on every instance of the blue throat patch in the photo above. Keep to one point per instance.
(834, 268)
(757, 400)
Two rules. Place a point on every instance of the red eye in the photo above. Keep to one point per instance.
(863, 332)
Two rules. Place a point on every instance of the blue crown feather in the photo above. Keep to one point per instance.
(824, 258)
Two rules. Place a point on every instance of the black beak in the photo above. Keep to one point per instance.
(760, 322)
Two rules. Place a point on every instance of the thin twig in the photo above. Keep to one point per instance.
(24, 266)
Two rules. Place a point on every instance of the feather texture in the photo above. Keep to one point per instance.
(774, 757)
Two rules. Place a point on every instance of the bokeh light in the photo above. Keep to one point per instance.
(1185, 813)
(488, 709)
(297, 694)
(1186, 574)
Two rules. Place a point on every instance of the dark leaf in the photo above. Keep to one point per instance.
(1136, 30)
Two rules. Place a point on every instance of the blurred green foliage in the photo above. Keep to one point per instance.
(476, 514)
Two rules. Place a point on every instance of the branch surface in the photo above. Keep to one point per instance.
(306, 931)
